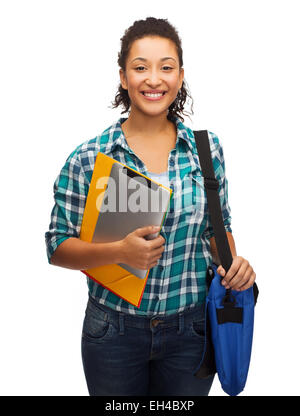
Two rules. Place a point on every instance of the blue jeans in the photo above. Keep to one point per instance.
(125, 355)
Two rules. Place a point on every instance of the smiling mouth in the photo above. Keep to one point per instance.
(153, 95)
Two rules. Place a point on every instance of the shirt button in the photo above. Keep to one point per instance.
(172, 162)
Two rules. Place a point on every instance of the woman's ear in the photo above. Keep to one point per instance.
(123, 79)
(181, 77)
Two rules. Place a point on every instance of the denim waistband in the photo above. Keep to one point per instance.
(138, 321)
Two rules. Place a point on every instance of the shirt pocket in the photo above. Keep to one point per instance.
(198, 208)
(188, 202)
(199, 194)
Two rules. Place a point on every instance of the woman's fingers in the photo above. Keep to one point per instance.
(250, 282)
(240, 276)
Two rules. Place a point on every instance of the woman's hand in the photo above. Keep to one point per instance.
(240, 276)
(140, 253)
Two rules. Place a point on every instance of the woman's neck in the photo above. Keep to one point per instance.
(141, 124)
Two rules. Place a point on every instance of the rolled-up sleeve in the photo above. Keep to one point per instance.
(219, 168)
(70, 191)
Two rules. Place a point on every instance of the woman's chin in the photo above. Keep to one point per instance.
(151, 112)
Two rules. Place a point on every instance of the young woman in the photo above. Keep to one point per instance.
(153, 349)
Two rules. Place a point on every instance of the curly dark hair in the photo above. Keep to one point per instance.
(152, 26)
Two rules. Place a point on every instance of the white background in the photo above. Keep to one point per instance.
(59, 74)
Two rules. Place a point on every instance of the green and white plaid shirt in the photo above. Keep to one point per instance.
(178, 280)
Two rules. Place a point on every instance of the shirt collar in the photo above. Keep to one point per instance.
(182, 133)
(118, 138)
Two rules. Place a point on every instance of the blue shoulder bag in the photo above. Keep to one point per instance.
(229, 314)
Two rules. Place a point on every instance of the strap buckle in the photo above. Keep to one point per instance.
(229, 300)
(211, 183)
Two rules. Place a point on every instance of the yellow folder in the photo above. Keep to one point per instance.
(111, 276)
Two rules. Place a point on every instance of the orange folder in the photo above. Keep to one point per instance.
(111, 276)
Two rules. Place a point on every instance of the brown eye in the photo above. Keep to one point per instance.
(140, 68)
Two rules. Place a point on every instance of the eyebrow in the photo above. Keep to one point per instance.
(145, 60)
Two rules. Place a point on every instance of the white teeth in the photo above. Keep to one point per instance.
(147, 94)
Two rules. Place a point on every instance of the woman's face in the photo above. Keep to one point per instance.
(153, 75)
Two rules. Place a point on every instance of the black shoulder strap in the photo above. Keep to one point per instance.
(212, 191)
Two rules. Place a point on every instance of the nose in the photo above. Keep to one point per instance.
(153, 79)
